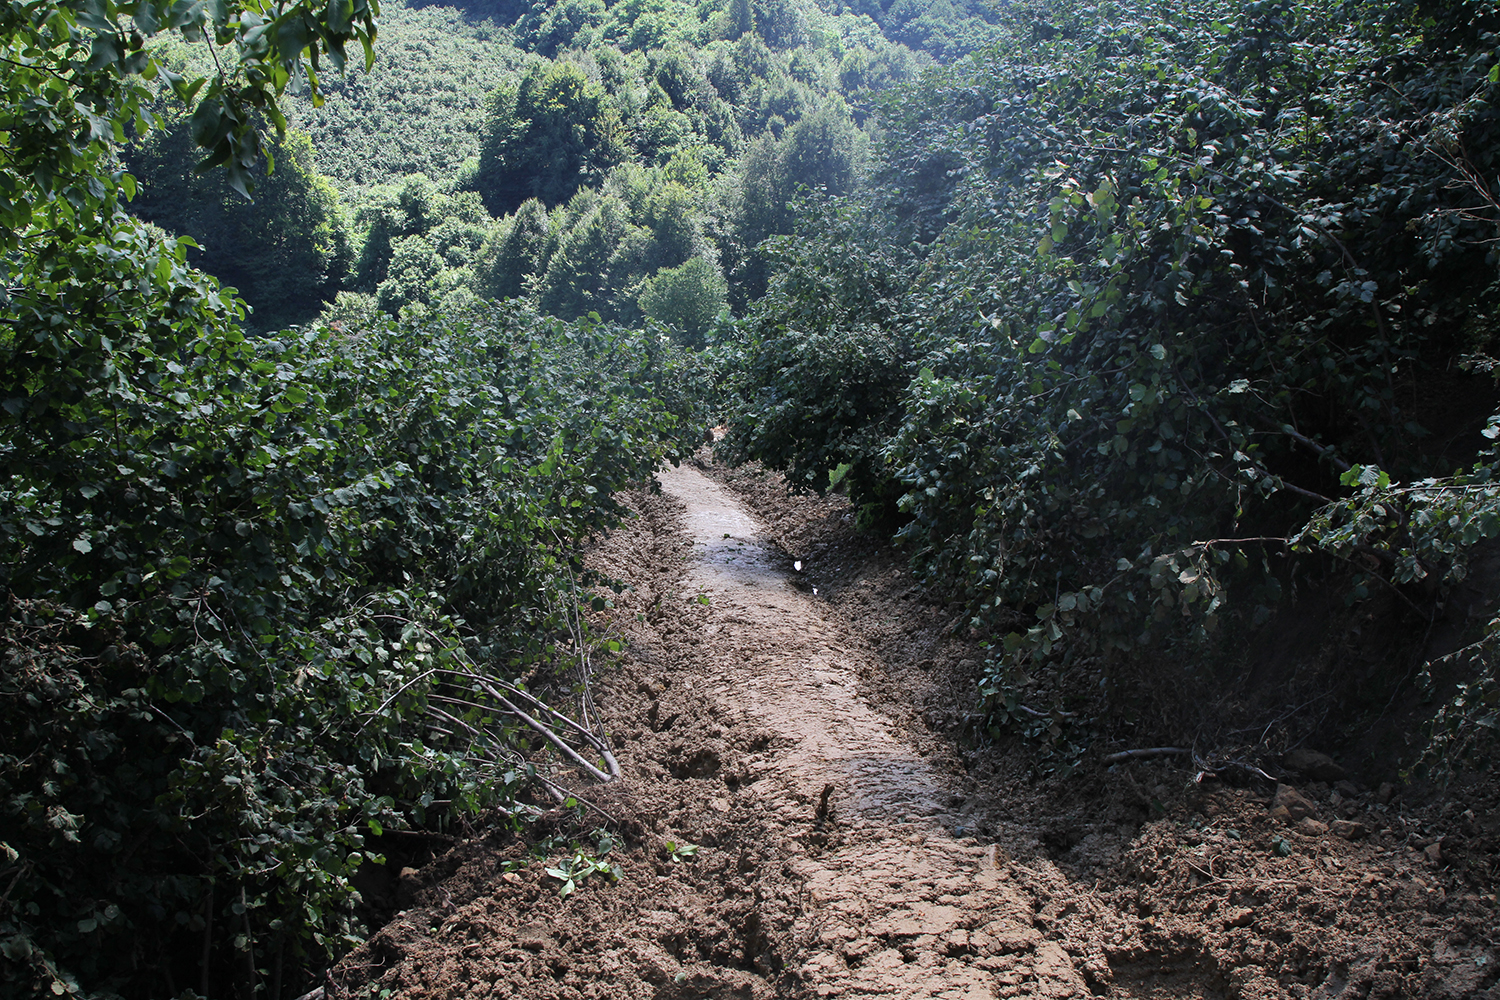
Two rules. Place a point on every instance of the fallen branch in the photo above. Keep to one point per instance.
(546, 733)
(387, 703)
(562, 795)
(1116, 758)
(1248, 767)
(1047, 715)
(588, 735)
(1323, 450)
(441, 838)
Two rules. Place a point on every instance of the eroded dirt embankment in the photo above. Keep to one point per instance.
(783, 721)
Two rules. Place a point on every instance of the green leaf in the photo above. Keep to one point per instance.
(146, 18)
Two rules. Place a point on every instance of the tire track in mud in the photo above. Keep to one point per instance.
(895, 905)
(732, 716)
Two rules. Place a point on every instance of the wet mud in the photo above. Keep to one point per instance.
(802, 816)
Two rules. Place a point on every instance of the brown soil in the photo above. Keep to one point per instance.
(803, 727)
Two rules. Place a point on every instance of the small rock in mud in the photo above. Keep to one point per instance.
(1312, 827)
(1241, 916)
(1313, 765)
(1349, 829)
(1290, 805)
(408, 884)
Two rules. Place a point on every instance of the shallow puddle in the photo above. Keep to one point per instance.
(796, 673)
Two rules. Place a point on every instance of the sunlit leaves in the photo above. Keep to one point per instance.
(1177, 276)
(273, 551)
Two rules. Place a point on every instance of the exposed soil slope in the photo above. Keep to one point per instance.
(791, 723)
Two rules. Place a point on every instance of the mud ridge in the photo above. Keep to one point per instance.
(790, 706)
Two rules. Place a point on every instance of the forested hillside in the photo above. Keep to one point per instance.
(1146, 316)
(624, 161)
(1140, 326)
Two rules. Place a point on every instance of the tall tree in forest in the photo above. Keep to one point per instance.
(546, 137)
(287, 252)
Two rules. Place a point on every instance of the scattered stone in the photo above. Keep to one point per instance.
(1241, 916)
(1312, 827)
(1313, 765)
(1349, 829)
(1347, 789)
(1385, 792)
(533, 936)
(1290, 806)
(1434, 852)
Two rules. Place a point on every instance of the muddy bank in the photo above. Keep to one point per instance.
(802, 728)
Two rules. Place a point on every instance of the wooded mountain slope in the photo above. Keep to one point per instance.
(1137, 323)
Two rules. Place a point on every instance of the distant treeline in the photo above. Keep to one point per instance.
(625, 161)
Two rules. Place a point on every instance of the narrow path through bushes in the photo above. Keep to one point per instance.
(786, 704)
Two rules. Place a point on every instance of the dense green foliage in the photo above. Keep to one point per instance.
(1120, 323)
(288, 251)
(727, 124)
(546, 137)
(1138, 289)
(687, 298)
(236, 574)
(261, 596)
(419, 110)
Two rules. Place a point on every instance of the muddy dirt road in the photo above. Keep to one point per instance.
(793, 826)
(899, 907)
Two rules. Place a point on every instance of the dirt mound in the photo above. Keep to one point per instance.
(798, 819)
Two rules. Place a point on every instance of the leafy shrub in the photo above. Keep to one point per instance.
(545, 137)
(1172, 277)
(249, 587)
(687, 298)
(814, 374)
